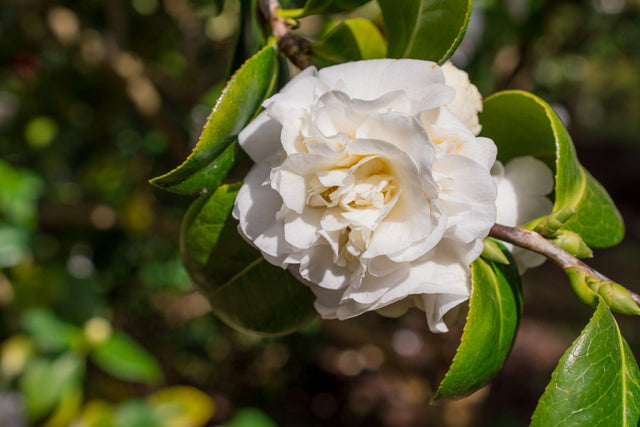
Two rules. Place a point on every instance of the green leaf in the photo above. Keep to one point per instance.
(250, 417)
(244, 290)
(49, 332)
(122, 357)
(314, 7)
(15, 245)
(214, 155)
(596, 383)
(250, 35)
(205, 223)
(45, 382)
(351, 40)
(67, 409)
(182, 406)
(522, 124)
(19, 193)
(495, 308)
(424, 29)
(136, 413)
(264, 299)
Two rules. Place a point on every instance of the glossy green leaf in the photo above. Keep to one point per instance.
(244, 290)
(314, 7)
(264, 299)
(214, 155)
(203, 224)
(351, 40)
(122, 357)
(49, 332)
(522, 124)
(45, 382)
(596, 383)
(424, 29)
(495, 307)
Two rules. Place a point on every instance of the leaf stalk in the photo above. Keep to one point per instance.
(298, 50)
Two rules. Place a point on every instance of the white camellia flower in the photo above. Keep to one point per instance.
(523, 185)
(369, 188)
(468, 101)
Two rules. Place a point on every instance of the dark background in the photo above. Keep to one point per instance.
(98, 96)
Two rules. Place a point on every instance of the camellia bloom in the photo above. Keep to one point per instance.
(369, 187)
(523, 184)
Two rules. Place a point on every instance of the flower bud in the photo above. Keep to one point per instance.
(572, 243)
(590, 289)
(617, 297)
(492, 252)
(550, 224)
(578, 279)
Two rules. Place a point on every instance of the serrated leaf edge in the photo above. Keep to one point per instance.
(157, 181)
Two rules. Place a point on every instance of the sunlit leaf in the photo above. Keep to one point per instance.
(351, 40)
(424, 29)
(522, 124)
(182, 406)
(49, 332)
(244, 290)
(68, 406)
(596, 383)
(136, 413)
(45, 382)
(213, 157)
(495, 307)
(122, 357)
(314, 7)
(97, 413)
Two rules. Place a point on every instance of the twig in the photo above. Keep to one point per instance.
(535, 242)
(298, 50)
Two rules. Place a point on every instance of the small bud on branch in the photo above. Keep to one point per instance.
(588, 283)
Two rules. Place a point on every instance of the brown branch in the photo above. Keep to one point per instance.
(298, 50)
(533, 241)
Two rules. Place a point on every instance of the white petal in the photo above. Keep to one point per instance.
(374, 78)
(301, 229)
(468, 195)
(318, 268)
(523, 185)
(522, 191)
(468, 101)
(290, 186)
(257, 203)
(261, 138)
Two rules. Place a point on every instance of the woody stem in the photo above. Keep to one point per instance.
(533, 241)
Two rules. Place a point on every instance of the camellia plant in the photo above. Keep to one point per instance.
(382, 181)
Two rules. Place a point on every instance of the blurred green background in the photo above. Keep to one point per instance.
(99, 323)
